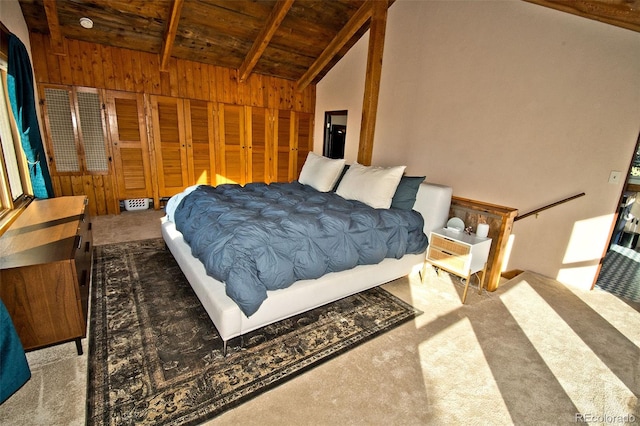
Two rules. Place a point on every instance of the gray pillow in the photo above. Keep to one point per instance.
(405, 196)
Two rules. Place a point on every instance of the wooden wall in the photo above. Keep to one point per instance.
(95, 65)
(500, 220)
(103, 67)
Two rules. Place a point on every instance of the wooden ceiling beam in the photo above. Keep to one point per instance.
(170, 35)
(377, 30)
(261, 42)
(355, 23)
(621, 13)
(57, 39)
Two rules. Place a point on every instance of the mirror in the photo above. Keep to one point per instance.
(335, 133)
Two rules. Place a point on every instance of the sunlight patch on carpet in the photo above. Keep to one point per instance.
(555, 341)
(614, 310)
(453, 352)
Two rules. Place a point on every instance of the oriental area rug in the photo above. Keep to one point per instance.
(156, 358)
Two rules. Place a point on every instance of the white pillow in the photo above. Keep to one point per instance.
(321, 173)
(374, 186)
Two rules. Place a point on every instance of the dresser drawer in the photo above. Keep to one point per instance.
(83, 252)
(457, 263)
(83, 261)
(449, 245)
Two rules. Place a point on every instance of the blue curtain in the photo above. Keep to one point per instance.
(21, 96)
(14, 368)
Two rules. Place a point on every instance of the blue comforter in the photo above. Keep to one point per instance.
(265, 237)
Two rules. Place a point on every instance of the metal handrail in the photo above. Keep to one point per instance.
(548, 206)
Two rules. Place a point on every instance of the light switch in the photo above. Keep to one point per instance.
(614, 176)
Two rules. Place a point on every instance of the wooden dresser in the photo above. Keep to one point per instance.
(45, 271)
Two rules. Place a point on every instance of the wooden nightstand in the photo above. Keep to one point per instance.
(458, 253)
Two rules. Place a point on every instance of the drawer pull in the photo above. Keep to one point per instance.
(90, 223)
(447, 253)
(79, 237)
(87, 247)
(83, 280)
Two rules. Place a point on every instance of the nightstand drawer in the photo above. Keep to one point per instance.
(455, 262)
(448, 245)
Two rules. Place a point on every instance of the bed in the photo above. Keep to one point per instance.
(432, 201)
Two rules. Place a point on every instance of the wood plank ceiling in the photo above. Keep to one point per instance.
(299, 40)
(296, 40)
(621, 13)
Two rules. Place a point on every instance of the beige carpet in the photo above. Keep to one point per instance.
(533, 352)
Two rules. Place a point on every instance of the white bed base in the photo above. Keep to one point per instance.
(433, 201)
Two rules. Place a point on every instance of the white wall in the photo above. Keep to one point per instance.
(11, 16)
(347, 78)
(509, 103)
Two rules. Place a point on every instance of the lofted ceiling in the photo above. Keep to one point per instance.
(296, 40)
(621, 13)
(289, 39)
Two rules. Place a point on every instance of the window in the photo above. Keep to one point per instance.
(11, 168)
(635, 164)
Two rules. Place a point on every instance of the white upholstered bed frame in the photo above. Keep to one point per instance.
(433, 201)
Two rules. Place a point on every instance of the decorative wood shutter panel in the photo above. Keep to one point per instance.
(92, 132)
(200, 142)
(232, 144)
(304, 138)
(170, 144)
(76, 131)
(258, 144)
(61, 129)
(283, 146)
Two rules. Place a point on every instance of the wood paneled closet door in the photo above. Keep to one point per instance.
(199, 119)
(183, 139)
(127, 128)
(294, 140)
(231, 147)
(303, 139)
(259, 141)
(170, 143)
(283, 146)
(262, 145)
